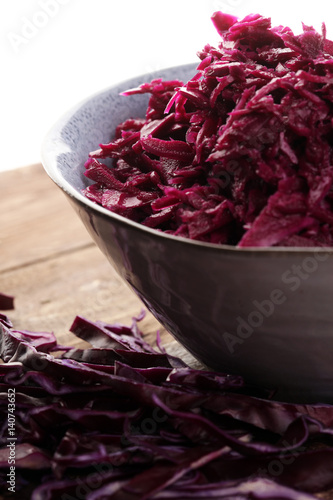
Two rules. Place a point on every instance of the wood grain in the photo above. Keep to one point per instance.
(52, 267)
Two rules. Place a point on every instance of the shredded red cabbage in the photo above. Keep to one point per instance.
(123, 420)
(241, 154)
(6, 302)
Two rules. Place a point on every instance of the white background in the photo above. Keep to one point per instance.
(54, 53)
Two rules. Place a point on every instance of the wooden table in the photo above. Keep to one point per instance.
(54, 270)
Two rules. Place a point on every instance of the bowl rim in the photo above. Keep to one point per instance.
(50, 164)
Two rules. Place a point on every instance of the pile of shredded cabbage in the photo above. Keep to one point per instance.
(121, 420)
(241, 154)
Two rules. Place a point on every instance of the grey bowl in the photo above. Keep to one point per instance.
(266, 314)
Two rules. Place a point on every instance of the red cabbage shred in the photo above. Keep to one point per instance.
(122, 420)
(241, 154)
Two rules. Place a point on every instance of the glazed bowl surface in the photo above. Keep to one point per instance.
(263, 313)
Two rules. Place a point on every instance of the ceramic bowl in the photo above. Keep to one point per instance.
(266, 314)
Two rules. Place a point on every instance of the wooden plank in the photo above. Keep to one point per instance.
(49, 294)
(32, 212)
(53, 269)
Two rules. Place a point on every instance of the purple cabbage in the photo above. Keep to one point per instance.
(6, 302)
(123, 420)
(241, 154)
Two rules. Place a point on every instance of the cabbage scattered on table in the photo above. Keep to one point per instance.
(122, 420)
